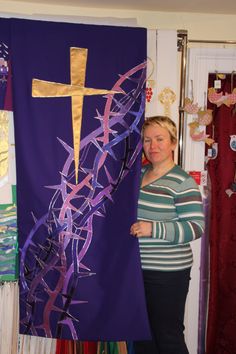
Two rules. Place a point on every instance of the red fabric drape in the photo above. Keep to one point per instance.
(75, 347)
(90, 347)
(221, 327)
(61, 346)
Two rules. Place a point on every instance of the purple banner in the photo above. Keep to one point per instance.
(78, 156)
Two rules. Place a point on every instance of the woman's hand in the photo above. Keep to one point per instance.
(141, 229)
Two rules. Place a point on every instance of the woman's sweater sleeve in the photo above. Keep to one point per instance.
(189, 223)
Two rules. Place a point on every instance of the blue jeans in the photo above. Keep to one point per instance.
(166, 294)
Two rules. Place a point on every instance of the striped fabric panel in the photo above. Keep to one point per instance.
(8, 243)
(164, 259)
(152, 190)
(168, 259)
(173, 205)
(156, 204)
(147, 245)
(160, 206)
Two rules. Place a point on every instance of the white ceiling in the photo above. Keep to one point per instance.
(201, 6)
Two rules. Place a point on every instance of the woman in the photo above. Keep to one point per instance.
(170, 216)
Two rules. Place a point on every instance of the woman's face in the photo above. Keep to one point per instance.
(157, 145)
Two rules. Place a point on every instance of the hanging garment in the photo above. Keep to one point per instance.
(78, 108)
(222, 237)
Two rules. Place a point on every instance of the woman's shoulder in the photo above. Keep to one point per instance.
(178, 173)
(181, 176)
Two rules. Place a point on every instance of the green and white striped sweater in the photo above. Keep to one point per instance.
(173, 204)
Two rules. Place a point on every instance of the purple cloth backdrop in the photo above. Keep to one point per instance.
(80, 273)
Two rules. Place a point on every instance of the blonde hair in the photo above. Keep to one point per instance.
(164, 122)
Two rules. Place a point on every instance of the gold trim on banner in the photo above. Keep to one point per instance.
(76, 90)
(4, 143)
(167, 97)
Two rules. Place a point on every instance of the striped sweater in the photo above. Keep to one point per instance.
(173, 204)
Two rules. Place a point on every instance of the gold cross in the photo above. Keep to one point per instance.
(76, 90)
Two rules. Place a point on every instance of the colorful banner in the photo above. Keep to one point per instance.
(8, 241)
(79, 99)
(8, 222)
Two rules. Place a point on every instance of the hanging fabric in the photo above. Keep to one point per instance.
(9, 317)
(222, 300)
(71, 192)
(36, 345)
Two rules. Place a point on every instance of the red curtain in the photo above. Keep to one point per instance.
(65, 346)
(221, 327)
